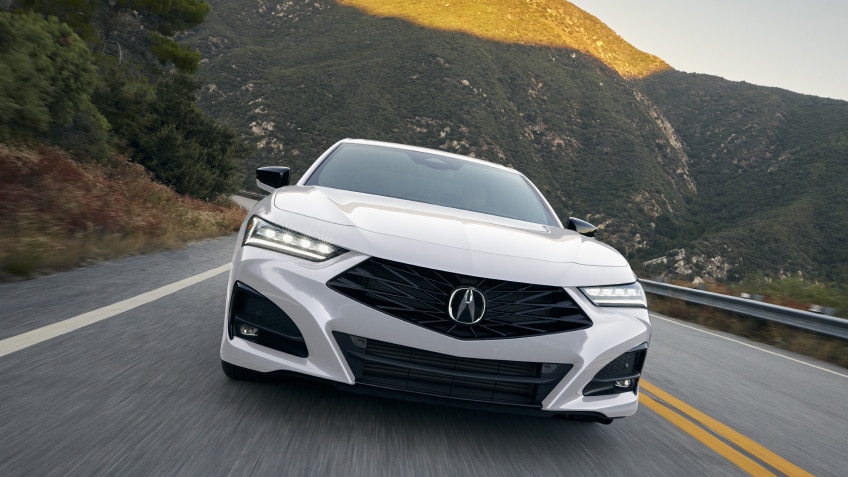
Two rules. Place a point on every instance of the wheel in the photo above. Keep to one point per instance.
(238, 373)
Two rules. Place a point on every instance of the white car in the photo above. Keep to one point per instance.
(424, 275)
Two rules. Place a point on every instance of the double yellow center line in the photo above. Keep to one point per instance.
(716, 435)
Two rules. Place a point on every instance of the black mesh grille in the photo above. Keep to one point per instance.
(624, 365)
(391, 366)
(420, 295)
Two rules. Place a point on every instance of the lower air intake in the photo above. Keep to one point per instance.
(273, 327)
(391, 366)
(620, 375)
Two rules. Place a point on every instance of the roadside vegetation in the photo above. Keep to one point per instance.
(796, 293)
(792, 292)
(57, 213)
(103, 149)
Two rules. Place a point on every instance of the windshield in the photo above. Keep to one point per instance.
(434, 179)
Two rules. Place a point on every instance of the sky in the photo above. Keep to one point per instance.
(799, 45)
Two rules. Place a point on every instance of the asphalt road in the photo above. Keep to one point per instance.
(142, 393)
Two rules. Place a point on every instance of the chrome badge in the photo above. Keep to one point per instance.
(466, 305)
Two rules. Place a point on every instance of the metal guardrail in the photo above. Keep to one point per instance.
(826, 325)
(251, 195)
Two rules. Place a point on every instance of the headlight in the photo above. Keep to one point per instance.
(280, 239)
(617, 295)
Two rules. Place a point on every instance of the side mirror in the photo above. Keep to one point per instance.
(272, 178)
(581, 227)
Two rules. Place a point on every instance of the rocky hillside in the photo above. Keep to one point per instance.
(662, 161)
(772, 174)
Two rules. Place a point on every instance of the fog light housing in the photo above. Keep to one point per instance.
(255, 318)
(621, 375)
(247, 330)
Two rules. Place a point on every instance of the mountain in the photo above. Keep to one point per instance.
(771, 168)
(695, 175)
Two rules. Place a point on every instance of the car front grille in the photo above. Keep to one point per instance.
(420, 295)
(390, 366)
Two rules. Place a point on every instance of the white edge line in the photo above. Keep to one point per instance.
(654, 315)
(30, 338)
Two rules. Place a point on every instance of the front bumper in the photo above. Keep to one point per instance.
(349, 343)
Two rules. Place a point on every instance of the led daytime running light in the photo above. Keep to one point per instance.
(617, 295)
(280, 239)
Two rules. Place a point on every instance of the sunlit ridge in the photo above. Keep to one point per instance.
(552, 23)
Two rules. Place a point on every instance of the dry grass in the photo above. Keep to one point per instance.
(792, 339)
(57, 213)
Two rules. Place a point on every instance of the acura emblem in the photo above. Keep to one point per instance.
(466, 305)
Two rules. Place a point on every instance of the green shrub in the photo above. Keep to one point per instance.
(46, 77)
(169, 51)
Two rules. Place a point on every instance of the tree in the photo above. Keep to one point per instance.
(127, 22)
(175, 141)
(167, 50)
(46, 78)
(51, 86)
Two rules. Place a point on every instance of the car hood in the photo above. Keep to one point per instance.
(447, 238)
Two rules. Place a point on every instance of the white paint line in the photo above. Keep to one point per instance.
(25, 340)
(654, 315)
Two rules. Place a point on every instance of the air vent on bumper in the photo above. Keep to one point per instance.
(391, 366)
(255, 318)
(620, 375)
